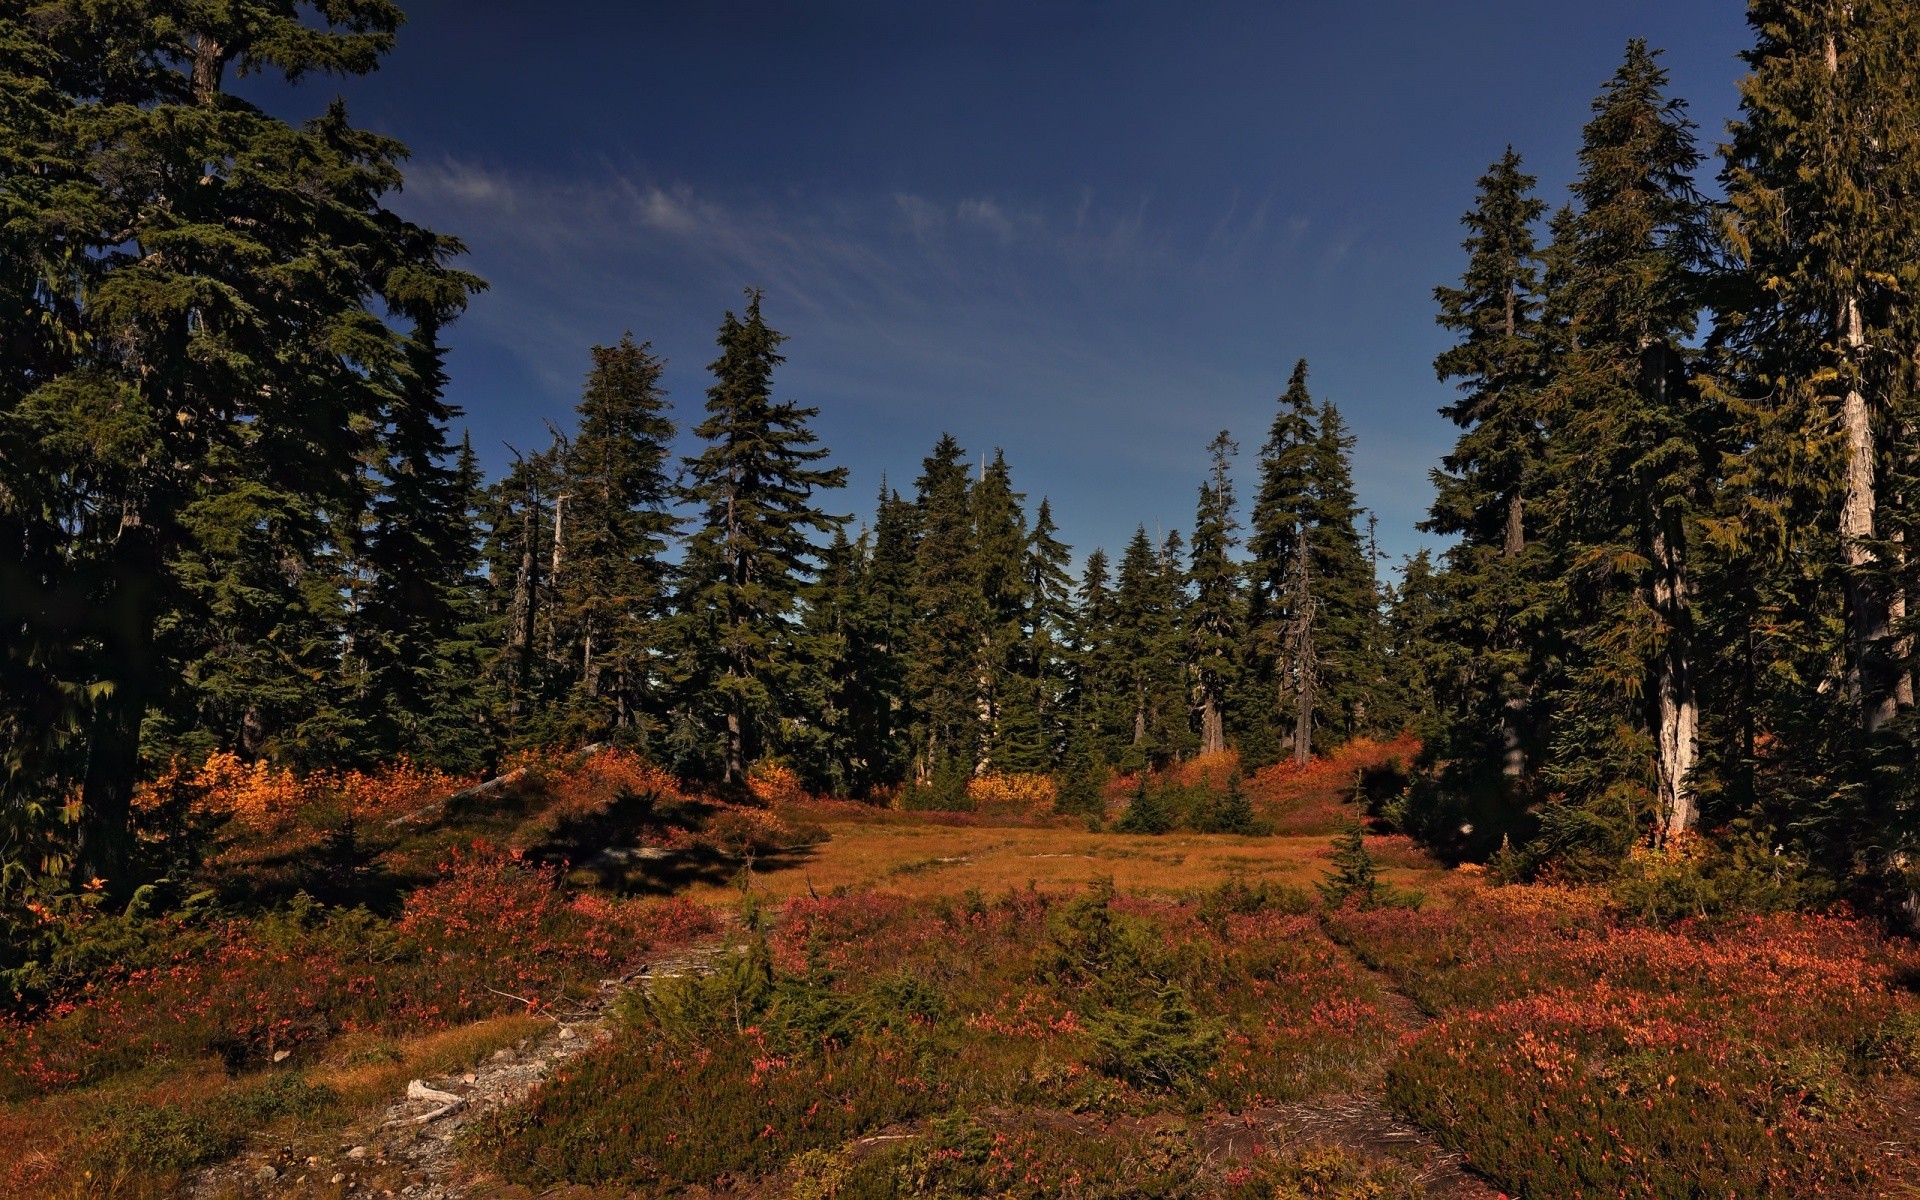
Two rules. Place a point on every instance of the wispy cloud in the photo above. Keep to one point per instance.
(1087, 338)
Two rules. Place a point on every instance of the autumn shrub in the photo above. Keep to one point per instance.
(1579, 1055)
(772, 783)
(1018, 794)
(1331, 790)
(867, 1010)
(493, 935)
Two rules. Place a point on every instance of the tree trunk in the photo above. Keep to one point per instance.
(1678, 718)
(1213, 725)
(526, 605)
(1868, 618)
(1305, 664)
(104, 845)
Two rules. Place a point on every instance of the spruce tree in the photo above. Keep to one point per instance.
(1817, 326)
(1281, 510)
(415, 633)
(1145, 654)
(999, 572)
(753, 549)
(1345, 594)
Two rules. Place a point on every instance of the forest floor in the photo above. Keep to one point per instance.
(593, 984)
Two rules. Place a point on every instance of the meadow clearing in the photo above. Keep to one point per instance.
(871, 1002)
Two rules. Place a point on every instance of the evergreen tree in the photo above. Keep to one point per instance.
(1146, 657)
(1213, 620)
(193, 344)
(883, 717)
(752, 551)
(949, 617)
(1499, 366)
(1345, 595)
(1098, 707)
(1817, 327)
(1034, 733)
(612, 597)
(1281, 511)
(1633, 456)
(415, 632)
(999, 572)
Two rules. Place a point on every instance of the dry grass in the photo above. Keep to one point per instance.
(891, 852)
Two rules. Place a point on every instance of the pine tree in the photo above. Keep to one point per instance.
(612, 598)
(885, 718)
(1097, 706)
(1035, 732)
(1346, 597)
(752, 551)
(999, 572)
(1213, 620)
(1633, 456)
(414, 633)
(1146, 657)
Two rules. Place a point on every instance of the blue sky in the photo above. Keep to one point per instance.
(1092, 234)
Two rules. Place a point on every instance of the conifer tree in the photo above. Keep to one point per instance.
(1633, 456)
(1213, 619)
(415, 633)
(999, 572)
(753, 548)
(186, 349)
(1818, 325)
(949, 616)
(1499, 366)
(613, 595)
(1097, 704)
(1345, 594)
(1146, 654)
(1281, 510)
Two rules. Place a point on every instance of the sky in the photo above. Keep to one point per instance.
(1089, 234)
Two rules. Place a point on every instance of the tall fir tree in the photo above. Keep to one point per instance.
(613, 596)
(1499, 365)
(1817, 324)
(1213, 619)
(1346, 596)
(1633, 460)
(999, 572)
(949, 620)
(195, 345)
(414, 634)
(752, 550)
(1281, 511)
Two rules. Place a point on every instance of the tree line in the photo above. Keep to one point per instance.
(1675, 596)
(1682, 490)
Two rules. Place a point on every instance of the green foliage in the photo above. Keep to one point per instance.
(1160, 1044)
(1748, 873)
(751, 552)
(1148, 812)
(1354, 875)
